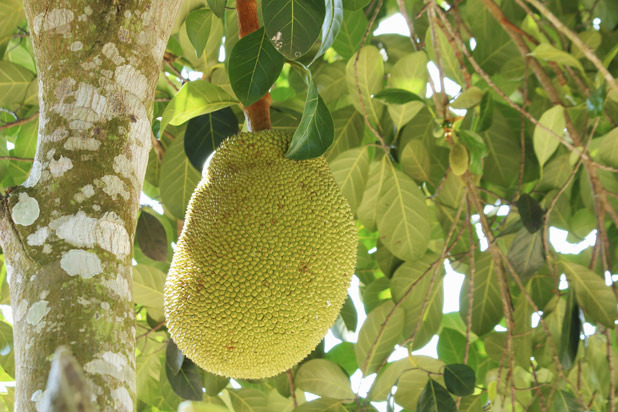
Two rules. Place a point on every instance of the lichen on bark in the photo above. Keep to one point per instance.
(67, 232)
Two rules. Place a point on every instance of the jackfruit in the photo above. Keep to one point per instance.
(264, 261)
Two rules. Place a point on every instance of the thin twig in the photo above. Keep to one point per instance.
(19, 159)
(19, 122)
(153, 329)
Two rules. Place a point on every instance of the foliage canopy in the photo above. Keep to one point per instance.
(515, 136)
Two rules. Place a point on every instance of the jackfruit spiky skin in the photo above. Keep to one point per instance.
(264, 261)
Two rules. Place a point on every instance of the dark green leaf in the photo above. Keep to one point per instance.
(594, 102)
(173, 357)
(451, 346)
(187, 383)
(253, 67)
(397, 96)
(530, 212)
(214, 383)
(566, 402)
(206, 132)
(459, 379)
(198, 28)
(151, 237)
(486, 113)
(217, 7)
(293, 25)
(435, 398)
(571, 328)
(316, 130)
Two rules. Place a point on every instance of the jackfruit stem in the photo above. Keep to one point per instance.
(258, 114)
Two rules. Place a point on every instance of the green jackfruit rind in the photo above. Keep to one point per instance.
(262, 267)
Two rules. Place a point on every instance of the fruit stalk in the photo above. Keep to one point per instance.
(258, 114)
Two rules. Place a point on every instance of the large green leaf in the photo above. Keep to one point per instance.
(526, 253)
(187, 382)
(594, 296)
(178, 179)
(11, 14)
(459, 379)
(148, 289)
(402, 216)
(608, 149)
(253, 67)
(546, 51)
(348, 132)
(368, 208)
(331, 25)
(487, 307)
(370, 72)
(293, 25)
(378, 336)
(409, 73)
(448, 59)
(15, 85)
(435, 398)
(323, 378)
(502, 162)
(195, 98)
(350, 170)
(321, 405)
(206, 132)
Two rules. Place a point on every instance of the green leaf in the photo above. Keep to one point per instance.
(595, 297)
(435, 398)
(187, 383)
(566, 402)
(471, 404)
(293, 25)
(415, 161)
(487, 307)
(348, 132)
(468, 98)
(387, 379)
(397, 96)
(148, 289)
(350, 170)
(173, 357)
(348, 314)
(195, 98)
(343, 355)
(367, 210)
(322, 405)
(350, 35)
(323, 378)
(253, 67)
(148, 371)
(459, 379)
(608, 149)
(15, 84)
(451, 346)
(217, 7)
(331, 26)
(502, 163)
(178, 179)
(410, 386)
(214, 383)
(206, 132)
(330, 79)
(151, 237)
(545, 144)
(526, 253)
(378, 336)
(316, 130)
(546, 51)
(248, 400)
(370, 71)
(571, 328)
(387, 262)
(402, 216)
(197, 25)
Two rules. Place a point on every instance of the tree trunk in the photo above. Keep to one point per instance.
(67, 232)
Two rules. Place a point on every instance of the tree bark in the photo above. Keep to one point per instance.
(67, 232)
